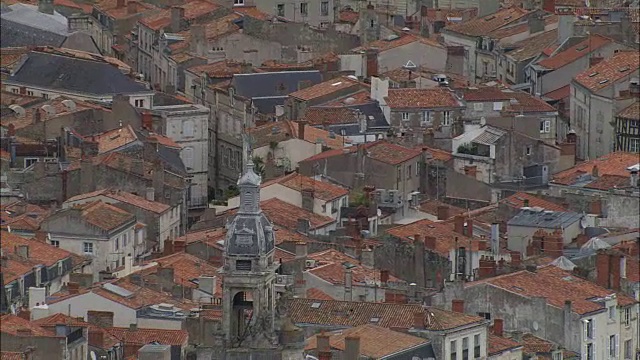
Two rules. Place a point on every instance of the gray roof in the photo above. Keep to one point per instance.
(74, 75)
(269, 84)
(489, 136)
(544, 219)
(24, 25)
(268, 105)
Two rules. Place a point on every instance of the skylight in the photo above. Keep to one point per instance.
(604, 81)
(624, 69)
(374, 319)
(315, 305)
(593, 74)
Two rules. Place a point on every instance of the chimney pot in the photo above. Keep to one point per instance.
(352, 347)
(498, 327)
(457, 305)
(384, 276)
(301, 129)
(418, 320)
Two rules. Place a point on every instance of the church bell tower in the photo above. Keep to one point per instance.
(249, 272)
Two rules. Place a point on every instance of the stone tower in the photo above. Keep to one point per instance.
(249, 272)
(369, 24)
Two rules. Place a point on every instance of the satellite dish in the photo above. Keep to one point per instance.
(535, 326)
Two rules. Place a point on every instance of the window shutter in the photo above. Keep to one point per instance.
(617, 343)
(608, 353)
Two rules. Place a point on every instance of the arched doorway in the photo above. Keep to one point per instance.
(242, 315)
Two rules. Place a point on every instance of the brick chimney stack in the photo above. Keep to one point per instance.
(457, 305)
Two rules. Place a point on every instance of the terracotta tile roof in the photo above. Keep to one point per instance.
(20, 122)
(421, 99)
(39, 254)
(186, 268)
(614, 164)
(381, 150)
(115, 139)
(499, 344)
(533, 344)
(359, 98)
(110, 8)
(317, 294)
(206, 235)
(9, 98)
(631, 112)
(401, 74)
(223, 69)
(557, 286)
(348, 16)
(197, 8)
(20, 215)
(449, 15)
(384, 45)
(103, 215)
(533, 46)
(486, 24)
(485, 94)
(157, 21)
(12, 324)
(284, 130)
(317, 116)
(521, 27)
(575, 52)
(146, 336)
(163, 140)
(60, 318)
(10, 56)
(375, 342)
(11, 355)
(431, 207)
(522, 102)
(142, 296)
(330, 267)
(353, 313)
(125, 197)
(284, 214)
(443, 232)
(322, 190)
(560, 93)
(608, 71)
(252, 11)
(326, 88)
(213, 30)
(517, 201)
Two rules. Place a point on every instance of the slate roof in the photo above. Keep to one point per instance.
(270, 84)
(375, 342)
(65, 73)
(544, 219)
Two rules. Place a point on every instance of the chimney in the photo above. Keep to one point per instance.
(25, 314)
(147, 121)
(595, 172)
(352, 347)
(301, 126)
(73, 287)
(307, 199)
(133, 327)
(595, 60)
(22, 251)
(165, 277)
(498, 327)
(469, 227)
(132, 7)
(45, 6)
(323, 342)
(458, 224)
(430, 242)
(367, 258)
(303, 225)
(457, 305)
(207, 284)
(96, 337)
(602, 269)
(103, 319)
(531, 268)
(177, 14)
(418, 321)
(443, 212)
(634, 178)
(384, 277)
(536, 24)
(37, 116)
(525, 203)
(150, 194)
(348, 284)
(301, 250)
(198, 37)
